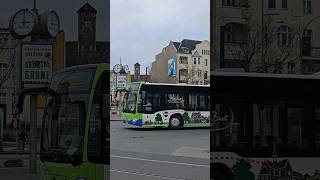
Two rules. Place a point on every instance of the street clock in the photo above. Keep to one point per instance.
(49, 23)
(126, 69)
(23, 23)
(117, 68)
(53, 23)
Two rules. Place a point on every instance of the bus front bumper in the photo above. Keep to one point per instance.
(132, 123)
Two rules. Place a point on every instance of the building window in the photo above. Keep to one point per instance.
(206, 62)
(284, 4)
(272, 4)
(205, 75)
(228, 2)
(290, 68)
(199, 73)
(284, 36)
(199, 61)
(183, 72)
(194, 60)
(3, 68)
(306, 42)
(228, 34)
(183, 60)
(307, 6)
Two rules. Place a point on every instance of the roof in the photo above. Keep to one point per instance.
(87, 8)
(187, 44)
(266, 75)
(196, 54)
(176, 45)
(180, 84)
(269, 166)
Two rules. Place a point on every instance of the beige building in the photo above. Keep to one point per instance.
(278, 36)
(187, 61)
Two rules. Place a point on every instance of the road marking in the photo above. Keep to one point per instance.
(146, 174)
(167, 162)
(187, 151)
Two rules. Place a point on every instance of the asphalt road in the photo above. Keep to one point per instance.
(145, 154)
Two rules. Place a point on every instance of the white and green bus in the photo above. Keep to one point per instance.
(265, 126)
(172, 106)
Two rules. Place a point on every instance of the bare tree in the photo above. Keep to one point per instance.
(191, 75)
(6, 50)
(262, 49)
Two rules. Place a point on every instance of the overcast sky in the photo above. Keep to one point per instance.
(66, 9)
(141, 28)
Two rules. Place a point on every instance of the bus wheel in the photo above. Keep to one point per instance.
(219, 175)
(175, 122)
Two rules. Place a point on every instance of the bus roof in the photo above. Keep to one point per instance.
(179, 84)
(267, 75)
(78, 67)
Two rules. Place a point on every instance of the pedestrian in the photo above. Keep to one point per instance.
(22, 139)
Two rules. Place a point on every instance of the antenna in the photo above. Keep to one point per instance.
(35, 10)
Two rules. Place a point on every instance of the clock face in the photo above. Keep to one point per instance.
(117, 68)
(126, 69)
(23, 22)
(53, 23)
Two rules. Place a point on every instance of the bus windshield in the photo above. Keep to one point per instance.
(130, 99)
(130, 102)
(64, 118)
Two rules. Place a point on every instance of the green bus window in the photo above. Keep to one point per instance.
(98, 137)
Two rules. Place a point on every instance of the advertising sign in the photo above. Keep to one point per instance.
(36, 65)
(172, 67)
(121, 81)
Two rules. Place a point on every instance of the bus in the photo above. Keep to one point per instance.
(265, 126)
(75, 136)
(172, 106)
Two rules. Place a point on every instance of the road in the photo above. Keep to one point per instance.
(145, 154)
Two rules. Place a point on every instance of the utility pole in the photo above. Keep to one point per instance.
(146, 73)
(33, 117)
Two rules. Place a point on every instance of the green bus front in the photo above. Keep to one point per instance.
(75, 132)
(175, 106)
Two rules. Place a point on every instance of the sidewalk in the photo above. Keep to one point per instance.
(115, 114)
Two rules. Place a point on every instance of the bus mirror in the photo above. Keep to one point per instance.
(143, 94)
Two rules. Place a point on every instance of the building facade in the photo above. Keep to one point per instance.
(187, 61)
(87, 50)
(277, 36)
(7, 45)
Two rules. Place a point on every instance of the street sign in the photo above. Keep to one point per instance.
(121, 81)
(36, 65)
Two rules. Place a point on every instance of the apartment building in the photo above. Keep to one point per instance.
(277, 36)
(187, 61)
